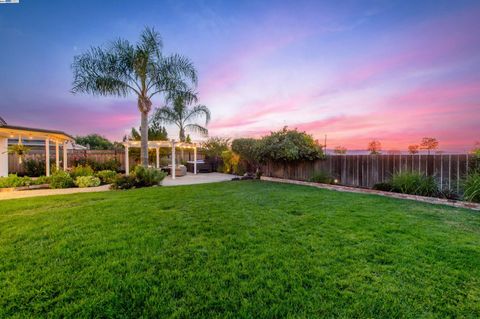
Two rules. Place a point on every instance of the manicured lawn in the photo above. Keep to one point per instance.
(237, 249)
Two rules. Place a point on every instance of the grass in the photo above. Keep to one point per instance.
(237, 249)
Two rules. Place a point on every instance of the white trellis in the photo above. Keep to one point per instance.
(25, 133)
(161, 144)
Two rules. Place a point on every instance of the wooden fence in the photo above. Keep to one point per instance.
(367, 170)
(100, 156)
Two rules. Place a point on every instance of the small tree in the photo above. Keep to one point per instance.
(213, 149)
(413, 149)
(94, 142)
(156, 132)
(429, 144)
(247, 149)
(287, 146)
(374, 147)
(340, 150)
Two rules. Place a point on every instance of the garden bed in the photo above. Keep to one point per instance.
(431, 200)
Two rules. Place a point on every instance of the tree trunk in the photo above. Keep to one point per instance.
(144, 133)
(182, 135)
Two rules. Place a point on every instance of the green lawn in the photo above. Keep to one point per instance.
(237, 249)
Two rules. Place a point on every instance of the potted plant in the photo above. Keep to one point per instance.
(19, 149)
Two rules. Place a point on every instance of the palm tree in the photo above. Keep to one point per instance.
(122, 69)
(181, 115)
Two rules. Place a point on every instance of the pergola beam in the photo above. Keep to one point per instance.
(57, 155)
(173, 160)
(65, 156)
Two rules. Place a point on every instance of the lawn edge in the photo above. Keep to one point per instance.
(347, 189)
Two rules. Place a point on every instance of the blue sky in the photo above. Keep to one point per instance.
(390, 70)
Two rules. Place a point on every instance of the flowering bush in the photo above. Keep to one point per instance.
(61, 179)
(87, 181)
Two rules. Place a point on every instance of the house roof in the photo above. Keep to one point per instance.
(2, 122)
(30, 132)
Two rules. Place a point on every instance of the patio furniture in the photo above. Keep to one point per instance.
(180, 170)
(202, 167)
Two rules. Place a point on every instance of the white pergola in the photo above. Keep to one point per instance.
(162, 144)
(22, 133)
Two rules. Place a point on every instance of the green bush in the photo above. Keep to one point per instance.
(81, 170)
(34, 168)
(41, 180)
(124, 182)
(61, 179)
(288, 146)
(106, 176)
(87, 181)
(140, 177)
(112, 164)
(414, 184)
(148, 176)
(230, 162)
(321, 177)
(386, 187)
(472, 187)
(13, 180)
(247, 149)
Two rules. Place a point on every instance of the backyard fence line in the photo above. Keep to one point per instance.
(99, 156)
(367, 170)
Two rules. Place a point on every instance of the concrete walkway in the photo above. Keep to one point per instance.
(188, 179)
(200, 178)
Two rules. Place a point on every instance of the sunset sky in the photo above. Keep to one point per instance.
(356, 70)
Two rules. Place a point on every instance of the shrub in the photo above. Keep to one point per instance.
(321, 177)
(112, 164)
(415, 184)
(124, 182)
(34, 168)
(141, 177)
(230, 162)
(106, 176)
(81, 170)
(386, 187)
(41, 180)
(61, 179)
(87, 181)
(247, 149)
(287, 146)
(148, 176)
(472, 187)
(13, 180)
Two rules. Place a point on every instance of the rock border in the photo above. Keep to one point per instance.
(430, 200)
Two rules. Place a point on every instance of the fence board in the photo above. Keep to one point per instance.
(366, 170)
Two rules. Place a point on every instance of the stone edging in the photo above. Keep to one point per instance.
(431, 200)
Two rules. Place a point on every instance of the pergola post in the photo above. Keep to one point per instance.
(3, 156)
(127, 164)
(173, 160)
(158, 156)
(47, 157)
(57, 155)
(195, 159)
(65, 156)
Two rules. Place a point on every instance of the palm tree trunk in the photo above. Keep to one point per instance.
(144, 133)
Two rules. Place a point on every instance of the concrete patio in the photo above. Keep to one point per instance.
(188, 179)
(191, 179)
